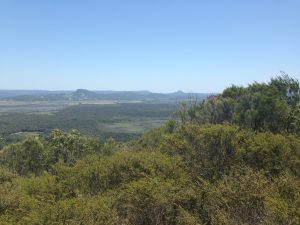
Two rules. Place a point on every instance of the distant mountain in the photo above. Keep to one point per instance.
(83, 94)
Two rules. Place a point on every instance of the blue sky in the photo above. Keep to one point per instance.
(157, 45)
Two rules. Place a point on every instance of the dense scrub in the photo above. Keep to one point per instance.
(272, 106)
(180, 173)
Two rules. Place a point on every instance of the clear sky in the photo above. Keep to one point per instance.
(156, 45)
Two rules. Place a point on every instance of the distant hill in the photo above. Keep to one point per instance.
(83, 94)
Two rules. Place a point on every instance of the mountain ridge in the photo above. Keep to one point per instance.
(85, 94)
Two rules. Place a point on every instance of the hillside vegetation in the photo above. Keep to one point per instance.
(233, 158)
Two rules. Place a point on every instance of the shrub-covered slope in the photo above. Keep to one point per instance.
(187, 172)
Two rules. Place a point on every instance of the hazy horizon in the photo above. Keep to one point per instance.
(160, 46)
(73, 90)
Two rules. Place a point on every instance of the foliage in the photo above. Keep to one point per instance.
(211, 150)
(29, 156)
(242, 171)
(68, 147)
(260, 106)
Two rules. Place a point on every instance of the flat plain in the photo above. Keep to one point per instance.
(121, 120)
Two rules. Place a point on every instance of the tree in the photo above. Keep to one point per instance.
(69, 147)
(260, 106)
(28, 156)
